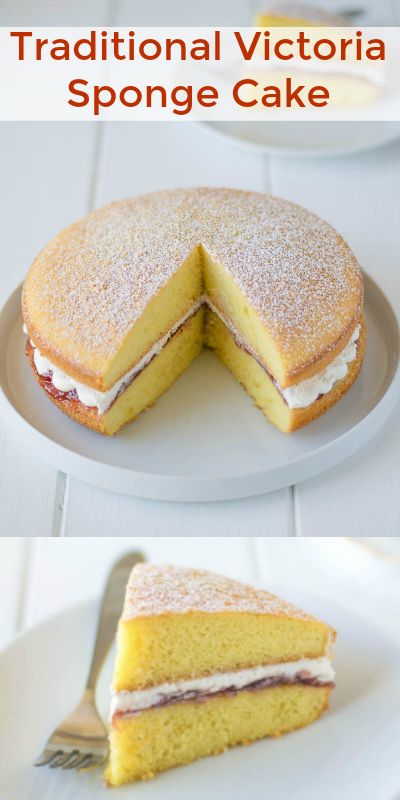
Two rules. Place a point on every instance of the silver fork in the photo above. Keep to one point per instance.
(81, 741)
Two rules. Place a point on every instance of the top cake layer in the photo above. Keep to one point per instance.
(87, 289)
(155, 589)
(180, 623)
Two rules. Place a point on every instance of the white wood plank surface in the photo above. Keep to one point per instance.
(45, 172)
(358, 498)
(13, 567)
(47, 12)
(144, 157)
(92, 512)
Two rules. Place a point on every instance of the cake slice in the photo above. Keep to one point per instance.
(203, 663)
(351, 82)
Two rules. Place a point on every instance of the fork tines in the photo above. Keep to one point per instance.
(75, 759)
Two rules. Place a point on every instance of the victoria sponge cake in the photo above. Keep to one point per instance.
(204, 663)
(118, 305)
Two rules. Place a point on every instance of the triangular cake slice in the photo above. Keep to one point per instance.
(203, 663)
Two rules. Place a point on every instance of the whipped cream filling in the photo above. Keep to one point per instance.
(300, 395)
(318, 670)
(305, 393)
(93, 397)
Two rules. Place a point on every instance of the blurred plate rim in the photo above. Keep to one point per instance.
(217, 129)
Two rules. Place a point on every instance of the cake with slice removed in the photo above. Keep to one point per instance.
(118, 305)
(203, 663)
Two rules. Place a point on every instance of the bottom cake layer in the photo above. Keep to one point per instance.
(152, 741)
(261, 387)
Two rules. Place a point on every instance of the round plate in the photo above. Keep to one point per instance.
(204, 439)
(352, 751)
(307, 139)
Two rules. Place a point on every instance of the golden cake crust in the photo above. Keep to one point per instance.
(302, 416)
(157, 590)
(88, 287)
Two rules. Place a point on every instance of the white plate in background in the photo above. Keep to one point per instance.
(307, 139)
(351, 752)
(385, 547)
(204, 439)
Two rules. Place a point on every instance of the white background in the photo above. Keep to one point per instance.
(52, 173)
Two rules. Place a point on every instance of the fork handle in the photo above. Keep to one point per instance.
(110, 613)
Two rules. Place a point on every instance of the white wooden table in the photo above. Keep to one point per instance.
(52, 173)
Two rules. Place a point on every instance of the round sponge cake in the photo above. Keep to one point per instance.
(110, 286)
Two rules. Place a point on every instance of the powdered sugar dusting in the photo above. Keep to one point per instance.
(154, 590)
(93, 281)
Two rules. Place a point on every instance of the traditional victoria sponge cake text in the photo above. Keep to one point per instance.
(204, 662)
(118, 305)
